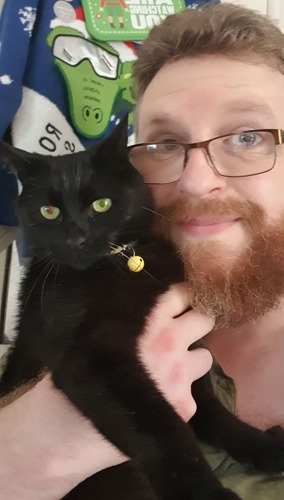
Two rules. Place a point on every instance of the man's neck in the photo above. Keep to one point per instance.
(232, 347)
(253, 356)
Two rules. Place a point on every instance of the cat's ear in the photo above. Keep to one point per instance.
(116, 142)
(17, 160)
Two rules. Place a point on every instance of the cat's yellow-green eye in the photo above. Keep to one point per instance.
(102, 205)
(49, 212)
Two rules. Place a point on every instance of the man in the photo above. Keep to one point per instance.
(201, 76)
(211, 106)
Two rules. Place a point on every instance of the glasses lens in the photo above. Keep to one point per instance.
(243, 154)
(159, 163)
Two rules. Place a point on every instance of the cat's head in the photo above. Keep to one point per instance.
(74, 206)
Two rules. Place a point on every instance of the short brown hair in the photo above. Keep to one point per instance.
(222, 29)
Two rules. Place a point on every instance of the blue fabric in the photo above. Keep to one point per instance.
(27, 62)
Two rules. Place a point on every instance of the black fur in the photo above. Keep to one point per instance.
(81, 312)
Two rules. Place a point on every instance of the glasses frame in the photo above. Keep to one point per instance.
(277, 133)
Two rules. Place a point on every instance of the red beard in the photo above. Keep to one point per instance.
(236, 290)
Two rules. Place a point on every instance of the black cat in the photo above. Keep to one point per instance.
(82, 311)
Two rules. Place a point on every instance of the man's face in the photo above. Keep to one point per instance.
(220, 224)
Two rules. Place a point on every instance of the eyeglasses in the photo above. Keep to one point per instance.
(251, 152)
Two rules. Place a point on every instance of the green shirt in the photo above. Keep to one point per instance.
(244, 480)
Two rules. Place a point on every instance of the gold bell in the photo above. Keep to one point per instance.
(135, 263)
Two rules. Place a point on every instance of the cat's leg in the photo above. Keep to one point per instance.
(114, 392)
(214, 424)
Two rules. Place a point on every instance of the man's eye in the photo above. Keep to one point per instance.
(170, 146)
(246, 139)
(164, 147)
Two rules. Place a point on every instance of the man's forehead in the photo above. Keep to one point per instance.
(236, 109)
(215, 78)
(245, 105)
(213, 92)
(238, 106)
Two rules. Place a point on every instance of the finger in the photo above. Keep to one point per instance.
(175, 301)
(200, 361)
(192, 326)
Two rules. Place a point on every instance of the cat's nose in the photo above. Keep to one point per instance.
(76, 243)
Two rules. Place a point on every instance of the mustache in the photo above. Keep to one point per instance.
(184, 209)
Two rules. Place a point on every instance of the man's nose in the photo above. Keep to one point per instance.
(199, 177)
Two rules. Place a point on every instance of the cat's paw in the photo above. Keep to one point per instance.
(270, 458)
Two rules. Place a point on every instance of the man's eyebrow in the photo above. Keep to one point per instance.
(160, 118)
(248, 106)
(237, 106)
(164, 119)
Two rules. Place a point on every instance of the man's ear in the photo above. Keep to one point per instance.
(17, 160)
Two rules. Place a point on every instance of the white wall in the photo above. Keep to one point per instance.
(273, 8)
(251, 4)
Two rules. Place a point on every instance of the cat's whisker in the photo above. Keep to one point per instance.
(114, 245)
(142, 271)
(156, 213)
(39, 253)
(117, 262)
(114, 256)
(153, 277)
(124, 255)
(43, 286)
(34, 285)
(36, 267)
(55, 277)
(39, 262)
(117, 249)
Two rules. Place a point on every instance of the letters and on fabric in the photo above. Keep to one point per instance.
(65, 73)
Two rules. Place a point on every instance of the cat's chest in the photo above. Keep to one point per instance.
(61, 301)
(65, 298)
